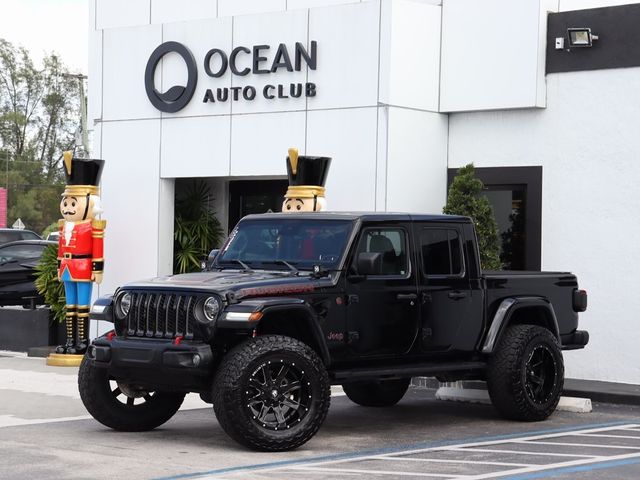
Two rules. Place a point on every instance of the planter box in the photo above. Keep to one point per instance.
(22, 329)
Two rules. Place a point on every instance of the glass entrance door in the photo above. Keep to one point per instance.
(254, 196)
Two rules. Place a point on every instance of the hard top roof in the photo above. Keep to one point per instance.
(364, 216)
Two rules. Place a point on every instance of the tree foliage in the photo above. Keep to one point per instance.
(196, 229)
(37, 123)
(465, 198)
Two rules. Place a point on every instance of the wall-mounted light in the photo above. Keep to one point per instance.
(577, 38)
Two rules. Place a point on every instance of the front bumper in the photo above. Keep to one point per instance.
(154, 363)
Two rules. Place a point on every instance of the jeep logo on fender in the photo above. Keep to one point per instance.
(176, 97)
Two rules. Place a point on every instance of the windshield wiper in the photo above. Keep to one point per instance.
(246, 267)
(293, 269)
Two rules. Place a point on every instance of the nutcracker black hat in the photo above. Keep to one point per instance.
(307, 175)
(83, 175)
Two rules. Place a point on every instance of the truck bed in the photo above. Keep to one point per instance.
(557, 287)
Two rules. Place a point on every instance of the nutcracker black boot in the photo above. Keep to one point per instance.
(69, 319)
(82, 340)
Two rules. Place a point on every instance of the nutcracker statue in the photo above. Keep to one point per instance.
(80, 253)
(307, 176)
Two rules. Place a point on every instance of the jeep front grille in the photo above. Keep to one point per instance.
(161, 315)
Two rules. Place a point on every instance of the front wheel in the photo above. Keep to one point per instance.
(271, 393)
(526, 374)
(377, 393)
(122, 406)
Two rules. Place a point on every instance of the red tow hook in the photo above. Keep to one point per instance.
(178, 340)
(110, 335)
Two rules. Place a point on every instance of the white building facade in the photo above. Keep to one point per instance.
(400, 93)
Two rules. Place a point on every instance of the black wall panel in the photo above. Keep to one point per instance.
(618, 29)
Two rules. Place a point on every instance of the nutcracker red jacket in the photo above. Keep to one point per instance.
(83, 253)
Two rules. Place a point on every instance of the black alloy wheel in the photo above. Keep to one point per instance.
(541, 375)
(122, 406)
(279, 395)
(271, 393)
(525, 375)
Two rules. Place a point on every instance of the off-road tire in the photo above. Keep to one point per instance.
(377, 393)
(516, 388)
(238, 391)
(104, 405)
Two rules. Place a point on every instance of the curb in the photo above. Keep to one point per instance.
(595, 391)
(471, 395)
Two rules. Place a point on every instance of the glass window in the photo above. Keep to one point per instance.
(441, 253)
(302, 243)
(391, 244)
(20, 251)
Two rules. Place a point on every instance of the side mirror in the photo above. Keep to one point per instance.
(369, 263)
(212, 256)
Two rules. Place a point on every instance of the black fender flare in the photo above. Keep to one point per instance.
(505, 312)
(237, 316)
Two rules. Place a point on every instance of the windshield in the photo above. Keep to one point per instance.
(301, 243)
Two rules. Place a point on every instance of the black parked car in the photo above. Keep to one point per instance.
(17, 263)
(295, 302)
(12, 235)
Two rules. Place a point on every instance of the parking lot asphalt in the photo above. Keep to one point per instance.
(45, 432)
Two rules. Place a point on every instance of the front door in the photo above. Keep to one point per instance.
(382, 311)
(451, 310)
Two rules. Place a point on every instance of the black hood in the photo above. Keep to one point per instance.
(253, 283)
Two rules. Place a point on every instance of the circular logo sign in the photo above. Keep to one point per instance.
(177, 97)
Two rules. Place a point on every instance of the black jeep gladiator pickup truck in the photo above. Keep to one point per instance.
(293, 303)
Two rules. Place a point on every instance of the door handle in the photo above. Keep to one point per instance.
(457, 295)
(407, 296)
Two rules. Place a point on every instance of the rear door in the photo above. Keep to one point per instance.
(451, 305)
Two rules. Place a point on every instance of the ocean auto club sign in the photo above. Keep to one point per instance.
(242, 61)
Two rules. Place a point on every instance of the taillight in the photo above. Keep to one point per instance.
(579, 300)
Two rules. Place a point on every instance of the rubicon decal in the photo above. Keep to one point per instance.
(176, 97)
(275, 290)
(240, 62)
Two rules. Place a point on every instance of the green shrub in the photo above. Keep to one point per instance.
(465, 198)
(196, 229)
(48, 284)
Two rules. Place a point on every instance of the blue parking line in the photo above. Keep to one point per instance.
(578, 469)
(387, 450)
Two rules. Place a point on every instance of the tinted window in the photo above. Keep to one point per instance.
(27, 235)
(441, 254)
(10, 236)
(21, 251)
(300, 242)
(391, 243)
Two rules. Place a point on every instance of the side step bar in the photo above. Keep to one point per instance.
(409, 370)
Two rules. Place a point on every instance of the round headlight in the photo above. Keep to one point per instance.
(123, 304)
(211, 308)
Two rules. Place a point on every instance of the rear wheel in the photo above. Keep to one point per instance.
(123, 406)
(377, 393)
(526, 374)
(271, 393)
